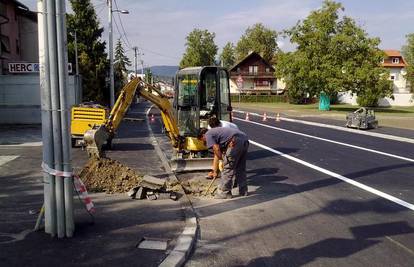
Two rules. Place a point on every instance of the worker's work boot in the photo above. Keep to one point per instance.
(223, 195)
(243, 191)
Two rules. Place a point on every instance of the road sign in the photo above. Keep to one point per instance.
(239, 82)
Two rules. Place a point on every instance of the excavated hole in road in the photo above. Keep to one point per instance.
(111, 176)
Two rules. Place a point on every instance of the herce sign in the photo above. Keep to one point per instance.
(22, 67)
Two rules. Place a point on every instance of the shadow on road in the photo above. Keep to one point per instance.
(334, 247)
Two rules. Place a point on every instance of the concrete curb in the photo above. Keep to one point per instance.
(355, 131)
(186, 241)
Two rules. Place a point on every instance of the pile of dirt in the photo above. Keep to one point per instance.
(108, 175)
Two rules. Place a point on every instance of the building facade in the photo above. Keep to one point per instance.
(18, 34)
(396, 65)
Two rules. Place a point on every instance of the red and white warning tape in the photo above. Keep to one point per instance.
(79, 185)
(83, 193)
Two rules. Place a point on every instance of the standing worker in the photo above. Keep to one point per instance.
(235, 143)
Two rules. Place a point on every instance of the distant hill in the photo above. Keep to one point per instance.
(164, 71)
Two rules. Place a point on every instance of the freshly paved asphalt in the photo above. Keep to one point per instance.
(298, 216)
(294, 215)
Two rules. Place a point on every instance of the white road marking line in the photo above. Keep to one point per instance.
(355, 131)
(5, 159)
(338, 176)
(331, 141)
(400, 245)
(15, 237)
(28, 144)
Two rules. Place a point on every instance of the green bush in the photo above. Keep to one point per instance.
(334, 99)
(367, 101)
(259, 98)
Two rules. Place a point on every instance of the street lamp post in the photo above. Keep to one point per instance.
(111, 52)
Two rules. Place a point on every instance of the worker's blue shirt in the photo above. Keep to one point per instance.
(221, 136)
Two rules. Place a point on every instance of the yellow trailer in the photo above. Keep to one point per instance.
(83, 118)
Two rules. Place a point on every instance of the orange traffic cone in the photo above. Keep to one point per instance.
(277, 117)
(247, 116)
(264, 117)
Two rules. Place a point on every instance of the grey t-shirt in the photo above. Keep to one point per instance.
(221, 135)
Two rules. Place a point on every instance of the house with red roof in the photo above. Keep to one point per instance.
(254, 76)
(396, 65)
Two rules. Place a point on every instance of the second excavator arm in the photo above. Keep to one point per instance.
(155, 96)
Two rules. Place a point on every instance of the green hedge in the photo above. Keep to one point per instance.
(260, 98)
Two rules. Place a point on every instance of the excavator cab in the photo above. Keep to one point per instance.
(200, 93)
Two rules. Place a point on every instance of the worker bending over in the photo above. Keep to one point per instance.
(213, 122)
(229, 145)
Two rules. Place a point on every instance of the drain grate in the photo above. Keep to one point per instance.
(153, 243)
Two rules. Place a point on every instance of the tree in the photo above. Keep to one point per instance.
(120, 63)
(201, 49)
(227, 56)
(408, 53)
(333, 55)
(259, 39)
(93, 64)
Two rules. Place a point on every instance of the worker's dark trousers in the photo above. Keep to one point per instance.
(234, 162)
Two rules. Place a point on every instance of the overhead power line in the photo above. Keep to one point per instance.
(156, 53)
(121, 35)
(122, 26)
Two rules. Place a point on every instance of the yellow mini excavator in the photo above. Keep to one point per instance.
(200, 93)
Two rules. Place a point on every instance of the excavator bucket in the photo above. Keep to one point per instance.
(195, 164)
(95, 140)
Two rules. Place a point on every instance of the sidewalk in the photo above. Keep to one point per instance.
(119, 222)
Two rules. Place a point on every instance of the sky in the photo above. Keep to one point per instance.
(159, 27)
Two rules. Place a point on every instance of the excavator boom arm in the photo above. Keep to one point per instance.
(101, 134)
(121, 106)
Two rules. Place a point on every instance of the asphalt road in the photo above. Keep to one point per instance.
(320, 201)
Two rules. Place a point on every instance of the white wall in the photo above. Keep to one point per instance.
(404, 99)
(399, 83)
(20, 98)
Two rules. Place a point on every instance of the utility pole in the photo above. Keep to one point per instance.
(56, 165)
(111, 57)
(135, 59)
(77, 82)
